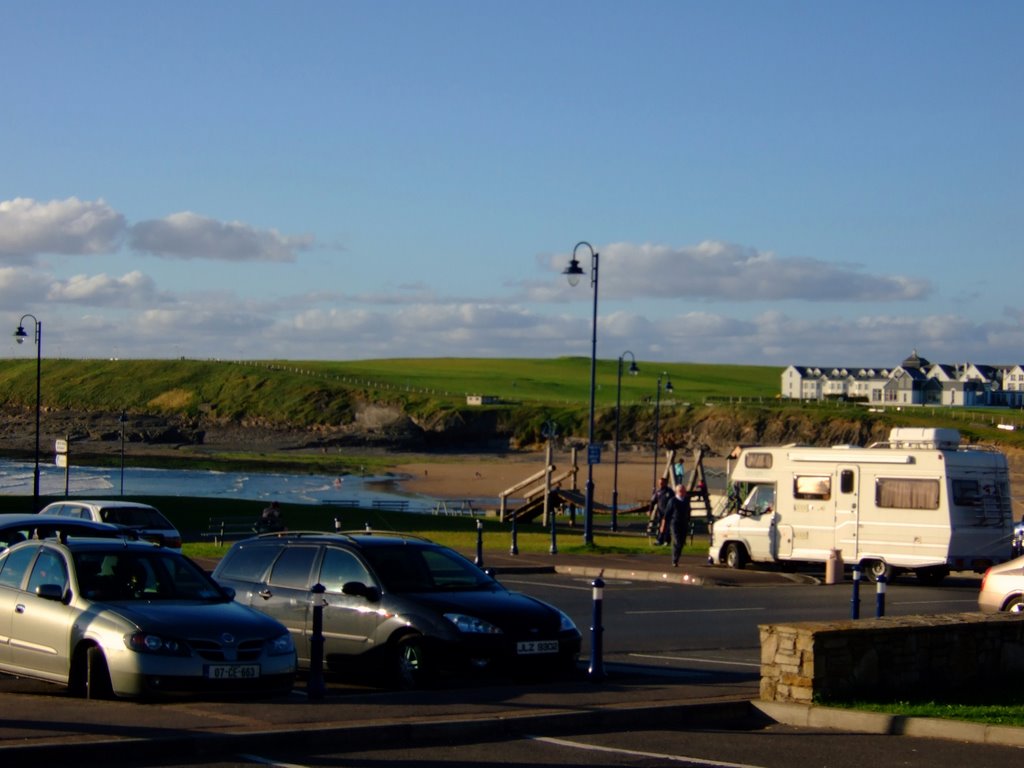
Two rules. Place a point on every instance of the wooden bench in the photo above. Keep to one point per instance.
(390, 506)
(222, 528)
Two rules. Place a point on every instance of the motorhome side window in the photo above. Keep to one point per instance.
(966, 493)
(902, 493)
(758, 460)
(815, 487)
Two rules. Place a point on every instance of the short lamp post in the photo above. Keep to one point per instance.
(633, 371)
(657, 418)
(574, 272)
(21, 335)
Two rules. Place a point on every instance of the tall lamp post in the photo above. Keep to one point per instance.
(633, 371)
(574, 272)
(21, 335)
(657, 417)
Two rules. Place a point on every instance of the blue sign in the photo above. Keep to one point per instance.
(593, 454)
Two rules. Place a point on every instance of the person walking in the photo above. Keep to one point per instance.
(656, 514)
(677, 521)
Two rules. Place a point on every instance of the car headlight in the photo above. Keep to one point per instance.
(143, 642)
(282, 645)
(472, 625)
(568, 625)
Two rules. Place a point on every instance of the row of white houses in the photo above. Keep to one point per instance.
(914, 382)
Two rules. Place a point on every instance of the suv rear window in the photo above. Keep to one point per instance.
(248, 563)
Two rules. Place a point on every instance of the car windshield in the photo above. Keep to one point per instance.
(140, 517)
(124, 574)
(411, 568)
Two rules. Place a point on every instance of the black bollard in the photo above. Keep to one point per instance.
(514, 549)
(596, 670)
(479, 543)
(315, 688)
(855, 600)
(337, 524)
(880, 596)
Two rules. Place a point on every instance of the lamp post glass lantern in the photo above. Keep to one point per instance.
(574, 272)
(20, 335)
(657, 418)
(633, 371)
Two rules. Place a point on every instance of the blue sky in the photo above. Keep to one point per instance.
(766, 182)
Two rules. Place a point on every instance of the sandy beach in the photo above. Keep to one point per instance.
(473, 476)
(481, 477)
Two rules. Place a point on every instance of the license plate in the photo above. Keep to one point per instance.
(531, 647)
(233, 671)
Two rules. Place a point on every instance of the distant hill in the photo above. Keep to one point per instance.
(418, 405)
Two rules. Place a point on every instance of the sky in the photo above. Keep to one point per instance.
(763, 182)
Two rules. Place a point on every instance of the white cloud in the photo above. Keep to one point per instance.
(187, 235)
(131, 290)
(22, 285)
(714, 270)
(70, 227)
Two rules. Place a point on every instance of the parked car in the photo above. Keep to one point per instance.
(1002, 588)
(124, 618)
(414, 606)
(147, 521)
(16, 527)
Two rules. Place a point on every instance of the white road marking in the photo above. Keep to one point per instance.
(691, 659)
(637, 753)
(264, 761)
(696, 610)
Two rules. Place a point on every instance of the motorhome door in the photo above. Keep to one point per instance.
(848, 513)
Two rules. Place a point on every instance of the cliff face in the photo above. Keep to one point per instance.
(381, 426)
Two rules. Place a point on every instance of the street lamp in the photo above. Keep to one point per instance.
(21, 335)
(657, 416)
(574, 272)
(633, 371)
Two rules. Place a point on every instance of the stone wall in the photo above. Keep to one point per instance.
(891, 657)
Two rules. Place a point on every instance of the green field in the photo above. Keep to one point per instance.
(315, 392)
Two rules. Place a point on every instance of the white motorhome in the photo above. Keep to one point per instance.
(918, 502)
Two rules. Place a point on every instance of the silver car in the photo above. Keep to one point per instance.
(1002, 588)
(127, 618)
(146, 521)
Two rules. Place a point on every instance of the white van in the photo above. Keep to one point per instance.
(919, 502)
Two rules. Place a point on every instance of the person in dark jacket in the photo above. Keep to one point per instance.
(659, 504)
(677, 521)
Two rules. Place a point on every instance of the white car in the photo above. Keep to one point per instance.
(1002, 588)
(146, 521)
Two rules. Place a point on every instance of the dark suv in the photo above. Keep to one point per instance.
(410, 603)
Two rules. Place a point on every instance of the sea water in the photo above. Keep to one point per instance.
(108, 482)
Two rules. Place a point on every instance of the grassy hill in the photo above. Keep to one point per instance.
(710, 404)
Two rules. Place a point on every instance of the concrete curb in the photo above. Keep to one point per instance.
(813, 716)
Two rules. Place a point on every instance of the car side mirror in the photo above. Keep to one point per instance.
(358, 589)
(53, 592)
(229, 592)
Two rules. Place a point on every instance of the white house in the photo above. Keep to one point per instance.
(916, 381)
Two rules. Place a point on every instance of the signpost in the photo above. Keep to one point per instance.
(60, 447)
